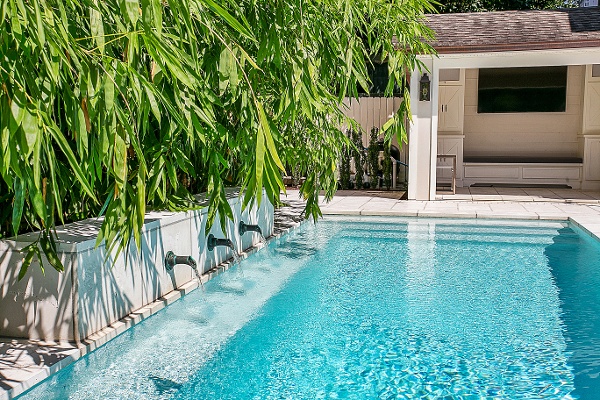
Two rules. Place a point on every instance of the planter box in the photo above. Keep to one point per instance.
(92, 294)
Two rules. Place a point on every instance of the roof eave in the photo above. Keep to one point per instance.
(498, 48)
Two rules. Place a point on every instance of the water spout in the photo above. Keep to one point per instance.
(243, 228)
(212, 242)
(171, 260)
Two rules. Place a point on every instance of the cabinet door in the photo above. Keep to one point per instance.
(591, 161)
(450, 108)
(592, 107)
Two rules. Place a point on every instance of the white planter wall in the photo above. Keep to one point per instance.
(41, 306)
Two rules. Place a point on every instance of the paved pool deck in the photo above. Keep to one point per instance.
(24, 363)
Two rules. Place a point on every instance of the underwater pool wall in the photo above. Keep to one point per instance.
(97, 293)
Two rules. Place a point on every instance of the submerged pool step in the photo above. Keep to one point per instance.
(458, 228)
(475, 236)
(463, 232)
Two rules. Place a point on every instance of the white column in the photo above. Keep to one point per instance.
(422, 144)
(433, 104)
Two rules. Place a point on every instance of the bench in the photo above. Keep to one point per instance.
(523, 171)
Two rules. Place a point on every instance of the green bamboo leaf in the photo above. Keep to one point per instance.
(265, 128)
(120, 157)
(31, 132)
(53, 180)
(260, 157)
(141, 199)
(231, 21)
(22, 9)
(82, 128)
(172, 173)
(15, 22)
(109, 92)
(26, 263)
(38, 253)
(147, 17)
(275, 178)
(17, 108)
(106, 202)
(157, 10)
(39, 24)
(63, 144)
(226, 63)
(3, 9)
(226, 209)
(37, 201)
(153, 103)
(97, 28)
(50, 253)
(131, 10)
(18, 204)
(171, 57)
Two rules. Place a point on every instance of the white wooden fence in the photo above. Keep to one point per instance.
(375, 111)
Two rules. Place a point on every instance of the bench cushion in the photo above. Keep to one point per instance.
(522, 160)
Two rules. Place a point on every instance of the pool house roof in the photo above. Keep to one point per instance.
(515, 30)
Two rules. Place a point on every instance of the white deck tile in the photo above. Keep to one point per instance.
(491, 197)
(474, 206)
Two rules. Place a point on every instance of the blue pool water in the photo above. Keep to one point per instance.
(372, 308)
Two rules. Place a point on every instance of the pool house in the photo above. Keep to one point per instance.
(512, 98)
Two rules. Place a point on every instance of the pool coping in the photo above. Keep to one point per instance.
(586, 219)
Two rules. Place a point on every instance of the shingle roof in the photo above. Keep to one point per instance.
(516, 30)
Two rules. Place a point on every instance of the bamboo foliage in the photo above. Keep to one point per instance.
(111, 108)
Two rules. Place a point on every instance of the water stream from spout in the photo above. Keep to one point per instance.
(263, 239)
(195, 268)
(236, 256)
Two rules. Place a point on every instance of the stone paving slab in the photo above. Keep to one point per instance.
(24, 363)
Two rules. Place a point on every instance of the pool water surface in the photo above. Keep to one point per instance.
(372, 308)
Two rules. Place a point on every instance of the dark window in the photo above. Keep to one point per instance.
(513, 90)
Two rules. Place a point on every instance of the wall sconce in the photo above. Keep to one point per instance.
(424, 88)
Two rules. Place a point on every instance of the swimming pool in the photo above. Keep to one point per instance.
(371, 308)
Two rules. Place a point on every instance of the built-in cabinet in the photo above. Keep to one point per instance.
(451, 100)
(591, 104)
(591, 160)
(451, 108)
(451, 94)
(591, 129)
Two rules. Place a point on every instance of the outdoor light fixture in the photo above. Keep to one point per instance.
(424, 92)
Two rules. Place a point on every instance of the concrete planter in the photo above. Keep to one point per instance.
(92, 294)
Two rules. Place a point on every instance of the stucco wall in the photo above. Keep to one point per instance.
(42, 306)
(525, 134)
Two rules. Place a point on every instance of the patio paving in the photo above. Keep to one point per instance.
(24, 363)
(580, 207)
